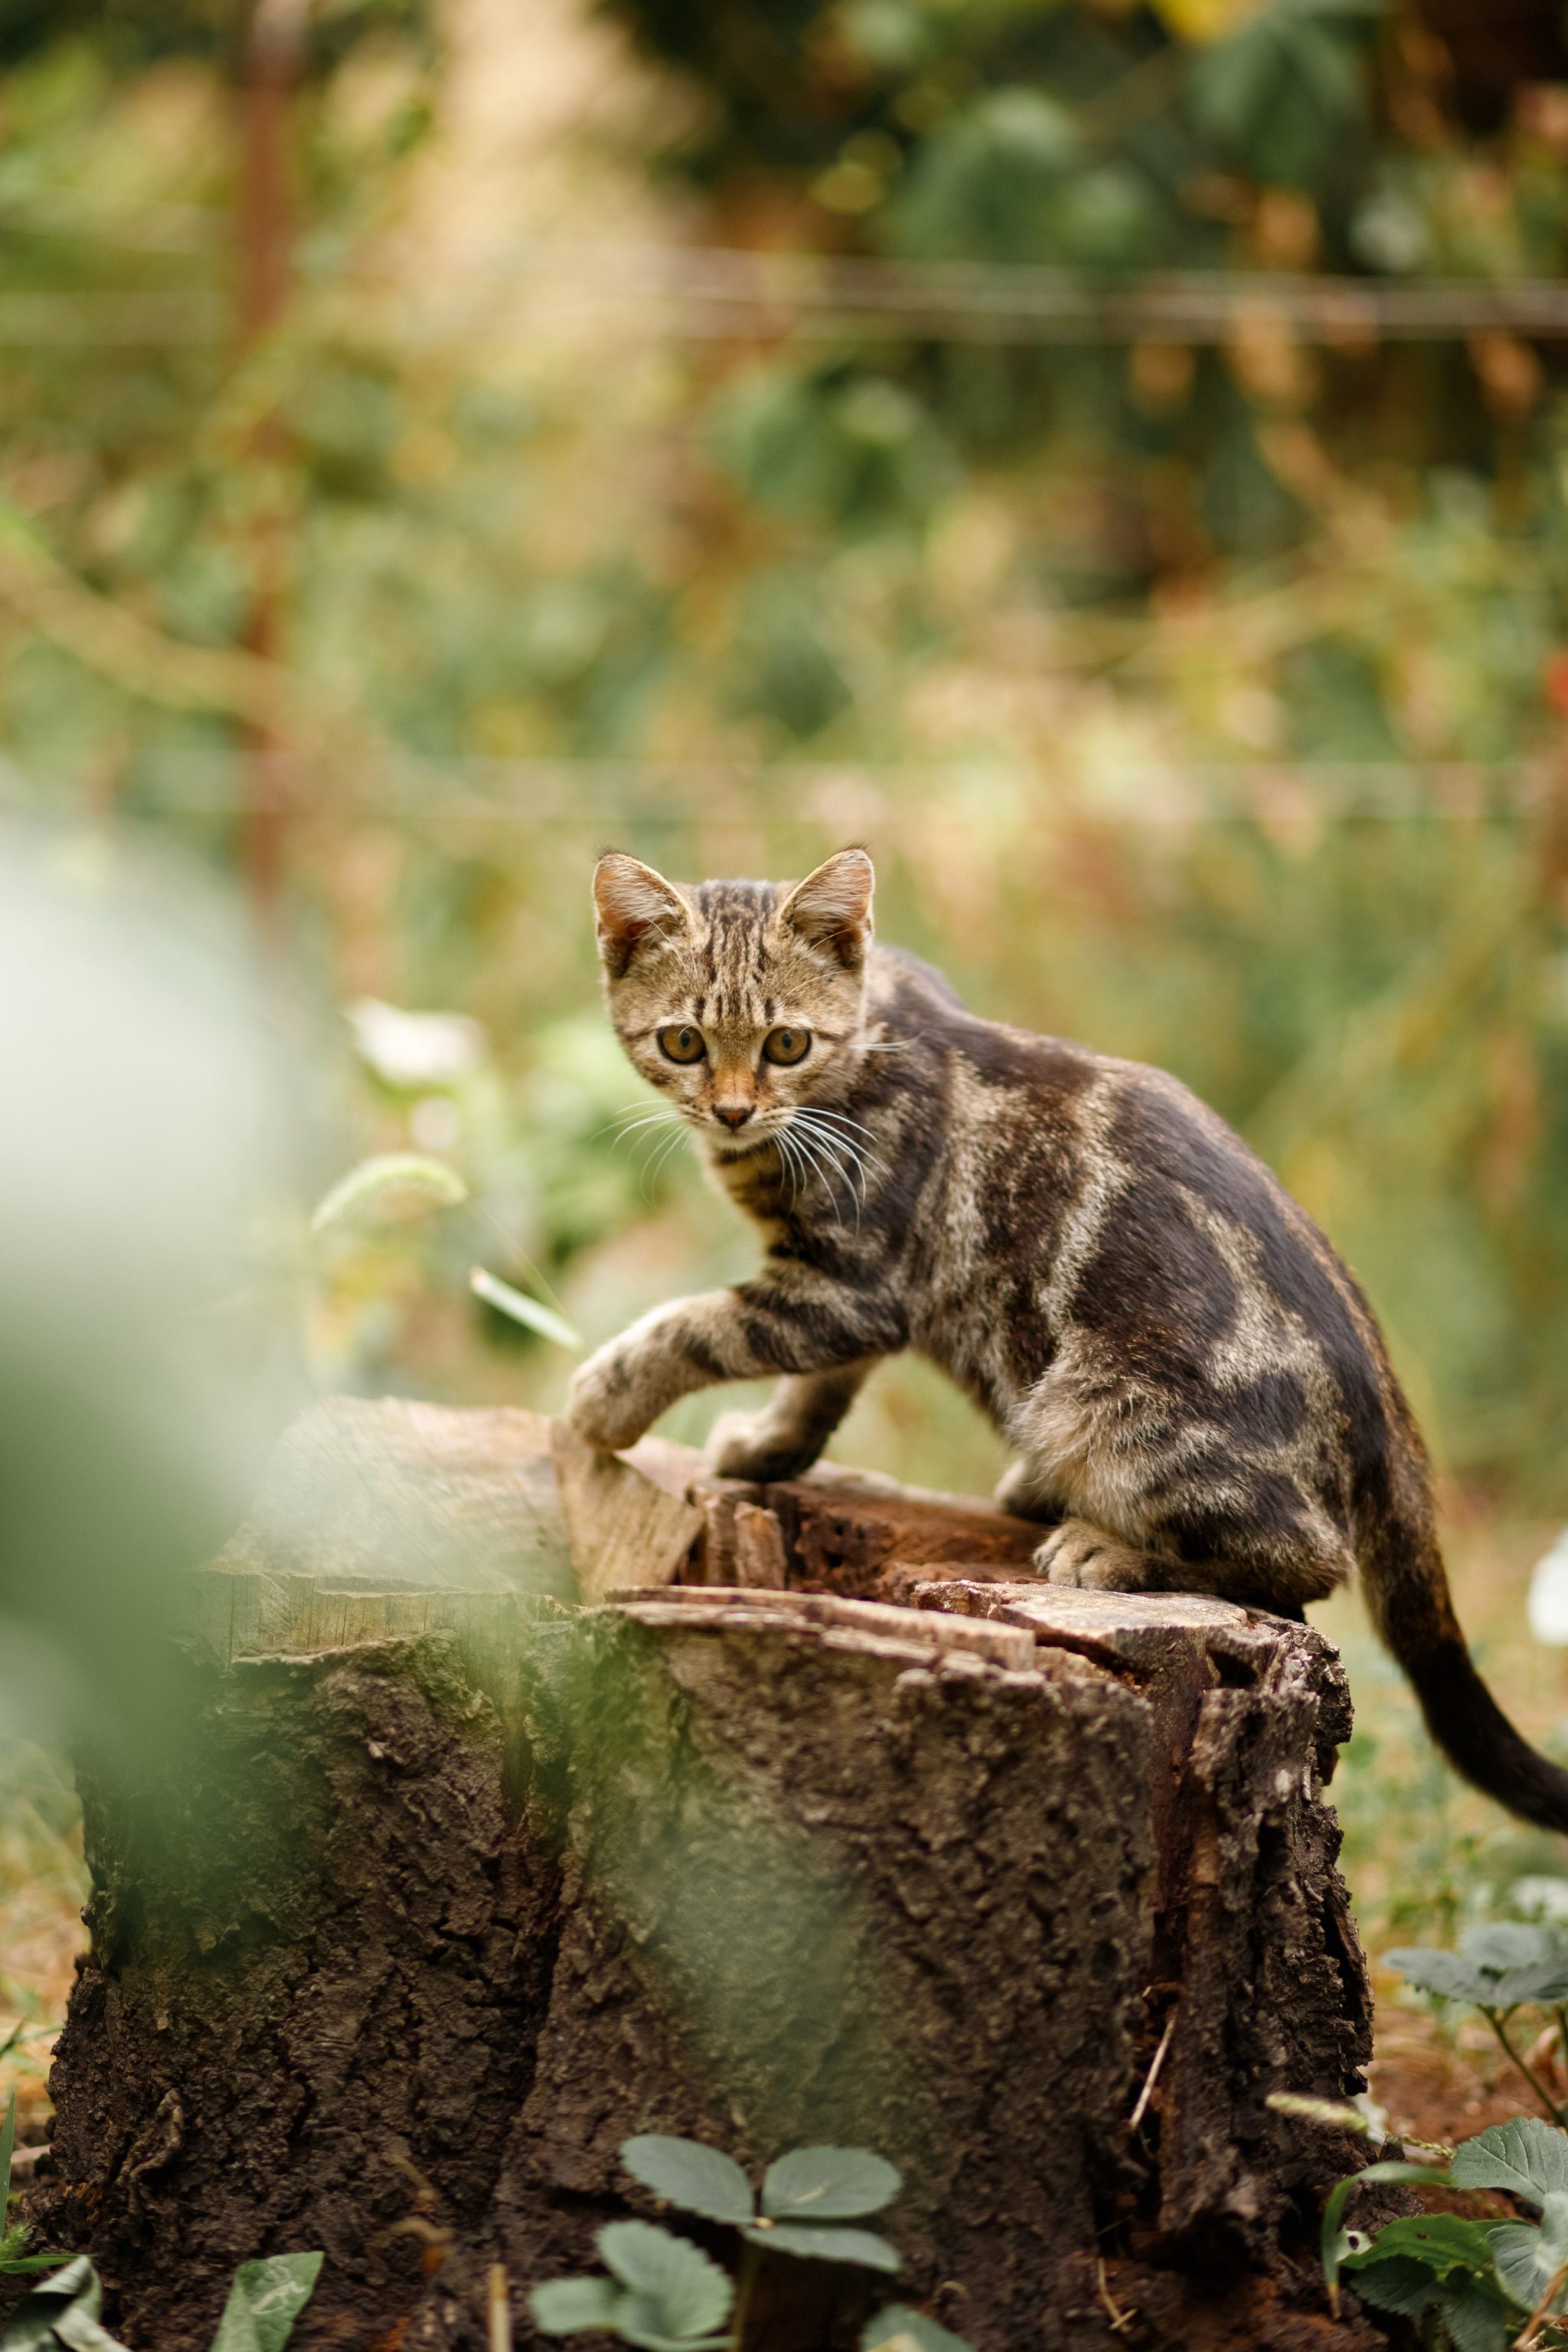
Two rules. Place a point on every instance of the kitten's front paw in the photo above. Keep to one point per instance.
(1078, 1554)
(749, 1445)
(605, 1403)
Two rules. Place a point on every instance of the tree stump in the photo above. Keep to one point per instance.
(824, 1820)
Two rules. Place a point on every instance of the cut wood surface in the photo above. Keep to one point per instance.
(824, 1820)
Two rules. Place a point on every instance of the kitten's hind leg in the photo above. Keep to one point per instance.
(1078, 1554)
(1023, 1495)
(789, 1433)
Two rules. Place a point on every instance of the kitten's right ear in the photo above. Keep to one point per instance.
(634, 907)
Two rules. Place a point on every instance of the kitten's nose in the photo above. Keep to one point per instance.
(735, 1117)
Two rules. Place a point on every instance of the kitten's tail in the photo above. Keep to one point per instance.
(1408, 1589)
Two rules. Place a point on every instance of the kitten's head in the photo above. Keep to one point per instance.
(738, 1000)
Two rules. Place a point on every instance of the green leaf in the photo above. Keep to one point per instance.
(699, 2179)
(896, 2327)
(78, 2278)
(1397, 2284)
(551, 1326)
(1497, 1968)
(1527, 2156)
(822, 2184)
(1281, 90)
(1542, 1980)
(628, 2327)
(373, 1180)
(1555, 2232)
(828, 2244)
(1441, 2242)
(679, 2291)
(7, 2141)
(76, 2327)
(1531, 1962)
(1509, 1945)
(1335, 2248)
(31, 2327)
(1529, 2259)
(1448, 1974)
(1476, 2315)
(264, 2302)
(65, 2311)
(564, 2306)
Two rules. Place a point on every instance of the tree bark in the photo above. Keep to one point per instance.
(448, 1885)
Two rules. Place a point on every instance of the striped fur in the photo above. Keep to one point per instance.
(1196, 1390)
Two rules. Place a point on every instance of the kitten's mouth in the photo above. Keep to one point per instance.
(740, 1143)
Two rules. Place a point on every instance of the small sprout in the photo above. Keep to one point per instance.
(805, 2195)
(807, 2198)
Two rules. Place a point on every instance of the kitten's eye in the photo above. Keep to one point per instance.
(682, 1044)
(786, 1044)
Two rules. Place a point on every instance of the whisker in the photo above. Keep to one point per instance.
(839, 1118)
(653, 1164)
(834, 1147)
(848, 1166)
(653, 1168)
(654, 1147)
(675, 1138)
(803, 1161)
(845, 1148)
(654, 1119)
(790, 1157)
(828, 1111)
(633, 1115)
(804, 1143)
(801, 1167)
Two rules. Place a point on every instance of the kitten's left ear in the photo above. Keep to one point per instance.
(832, 907)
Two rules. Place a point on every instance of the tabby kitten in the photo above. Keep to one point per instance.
(1196, 1392)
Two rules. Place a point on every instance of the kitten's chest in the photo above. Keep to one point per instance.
(766, 1188)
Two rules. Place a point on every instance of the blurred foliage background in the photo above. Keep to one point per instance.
(438, 440)
(406, 489)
